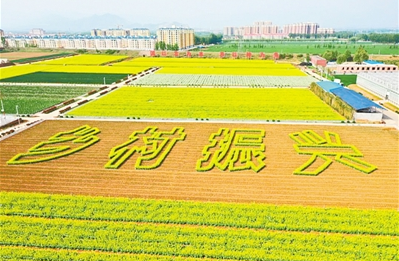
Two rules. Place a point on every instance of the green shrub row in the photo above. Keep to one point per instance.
(335, 102)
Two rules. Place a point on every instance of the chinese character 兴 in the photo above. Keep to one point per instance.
(310, 143)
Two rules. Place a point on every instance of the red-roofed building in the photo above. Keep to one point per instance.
(318, 61)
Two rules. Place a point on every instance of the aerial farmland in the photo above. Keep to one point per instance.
(189, 159)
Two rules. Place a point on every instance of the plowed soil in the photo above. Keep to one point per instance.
(22, 55)
(84, 173)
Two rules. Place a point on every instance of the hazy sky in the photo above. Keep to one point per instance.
(207, 14)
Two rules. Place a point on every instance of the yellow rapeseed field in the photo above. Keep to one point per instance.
(215, 66)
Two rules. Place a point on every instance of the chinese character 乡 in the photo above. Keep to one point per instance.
(152, 145)
(60, 145)
(310, 143)
(236, 150)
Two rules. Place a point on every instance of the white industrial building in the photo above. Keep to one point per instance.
(384, 84)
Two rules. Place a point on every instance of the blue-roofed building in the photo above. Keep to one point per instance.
(372, 62)
(328, 86)
(364, 108)
(355, 100)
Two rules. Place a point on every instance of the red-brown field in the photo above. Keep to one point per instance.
(22, 55)
(176, 178)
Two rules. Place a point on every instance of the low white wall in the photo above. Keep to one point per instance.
(368, 116)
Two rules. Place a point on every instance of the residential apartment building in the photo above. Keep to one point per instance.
(120, 32)
(229, 31)
(266, 30)
(259, 30)
(183, 37)
(37, 32)
(139, 32)
(325, 31)
(301, 28)
(90, 43)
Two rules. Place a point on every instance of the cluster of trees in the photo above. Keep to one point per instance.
(284, 55)
(360, 56)
(163, 46)
(379, 38)
(353, 36)
(331, 55)
(3, 41)
(308, 36)
(209, 39)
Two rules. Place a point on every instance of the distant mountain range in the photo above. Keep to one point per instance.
(54, 24)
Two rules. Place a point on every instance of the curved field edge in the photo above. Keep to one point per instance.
(233, 215)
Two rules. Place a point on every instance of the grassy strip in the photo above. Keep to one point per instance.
(260, 216)
(364, 92)
(347, 79)
(300, 47)
(391, 106)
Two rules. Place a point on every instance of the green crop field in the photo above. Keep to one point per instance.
(347, 79)
(299, 47)
(40, 226)
(31, 99)
(60, 77)
(14, 71)
(213, 103)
